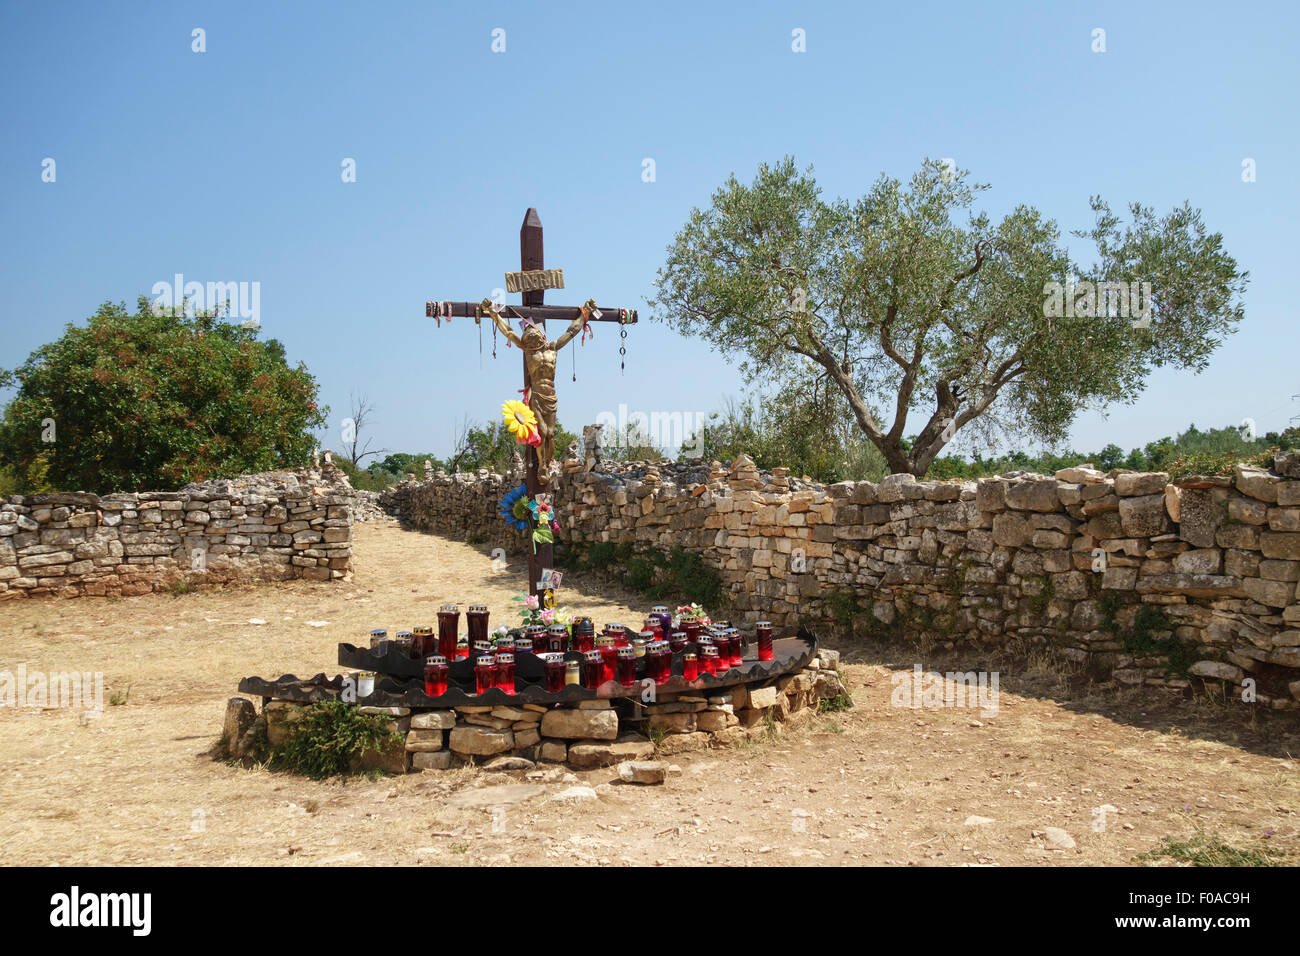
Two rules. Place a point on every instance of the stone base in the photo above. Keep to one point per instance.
(591, 735)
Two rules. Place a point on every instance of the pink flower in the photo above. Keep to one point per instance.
(548, 616)
(530, 602)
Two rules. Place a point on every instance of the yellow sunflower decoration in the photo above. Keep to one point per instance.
(521, 421)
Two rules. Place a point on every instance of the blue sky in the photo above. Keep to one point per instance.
(225, 166)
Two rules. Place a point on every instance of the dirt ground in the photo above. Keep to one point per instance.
(878, 784)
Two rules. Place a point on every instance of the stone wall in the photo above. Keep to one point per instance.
(273, 526)
(1152, 582)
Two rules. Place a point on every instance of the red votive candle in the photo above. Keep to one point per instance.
(692, 628)
(593, 669)
(505, 673)
(476, 617)
(764, 633)
(626, 666)
(737, 647)
(537, 633)
(677, 641)
(690, 666)
(448, 628)
(435, 675)
(704, 643)
(422, 642)
(485, 669)
(664, 617)
(709, 658)
(652, 626)
(658, 656)
(608, 656)
(554, 664)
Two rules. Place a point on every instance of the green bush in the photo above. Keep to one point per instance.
(156, 400)
(328, 736)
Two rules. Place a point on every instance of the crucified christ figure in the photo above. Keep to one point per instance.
(539, 361)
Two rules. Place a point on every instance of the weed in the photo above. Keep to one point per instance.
(1209, 849)
(829, 705)
(1038, 603)
(181, 587)
(118, 697)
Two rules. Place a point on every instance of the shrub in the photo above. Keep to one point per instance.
(328, 736)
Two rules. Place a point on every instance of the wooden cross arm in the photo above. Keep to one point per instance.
(560, 313)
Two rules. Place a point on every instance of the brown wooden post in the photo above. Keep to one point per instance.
(531, 257)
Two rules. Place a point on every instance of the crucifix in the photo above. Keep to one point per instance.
(539, 354)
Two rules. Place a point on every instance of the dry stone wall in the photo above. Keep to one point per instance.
(273, 526)
(1151, 582)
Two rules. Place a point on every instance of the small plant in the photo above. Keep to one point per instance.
(842, 607)
(327, 737)
(1212, 463)
(118, 697)
(657, 735)
(1209, 849)
(1039, 602)
(770, 727)
(829, 705)
(181, 587)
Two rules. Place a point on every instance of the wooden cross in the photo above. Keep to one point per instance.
(532, 281)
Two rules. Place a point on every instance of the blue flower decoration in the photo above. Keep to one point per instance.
(507, 505)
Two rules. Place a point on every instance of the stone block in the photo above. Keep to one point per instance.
(480, 741)
(568, 724)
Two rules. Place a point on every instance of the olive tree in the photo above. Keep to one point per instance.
(912, 303)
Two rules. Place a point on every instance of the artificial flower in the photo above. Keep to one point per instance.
(530, 602)
(548, 616)
(514, 508)
(689, 612)
(521, 421)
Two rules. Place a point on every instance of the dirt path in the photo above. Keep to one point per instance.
(878, 784)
